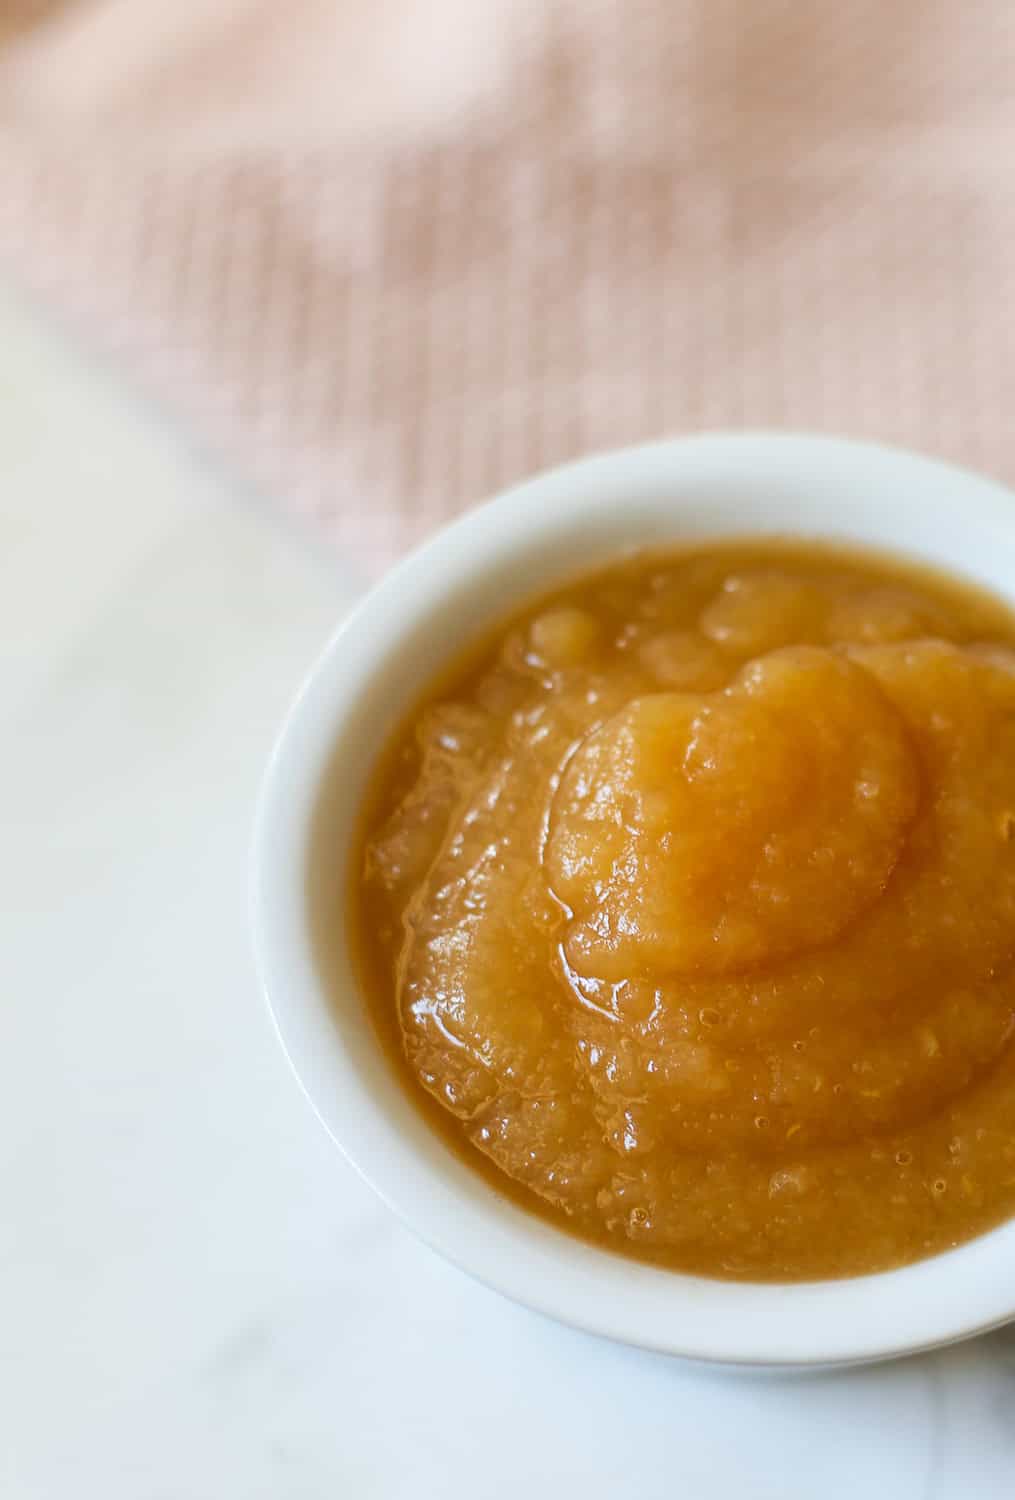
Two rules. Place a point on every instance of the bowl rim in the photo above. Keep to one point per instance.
(328, 1040)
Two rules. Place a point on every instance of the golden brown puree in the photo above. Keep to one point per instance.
(690, 899)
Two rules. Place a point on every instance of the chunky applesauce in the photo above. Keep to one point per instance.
(687, 904)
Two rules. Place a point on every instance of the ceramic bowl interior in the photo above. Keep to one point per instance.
(465, 579)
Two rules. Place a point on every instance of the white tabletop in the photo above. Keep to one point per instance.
(197, 1297)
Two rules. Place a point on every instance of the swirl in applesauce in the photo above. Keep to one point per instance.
(687, 905)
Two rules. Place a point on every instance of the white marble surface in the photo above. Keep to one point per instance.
(197, 1298)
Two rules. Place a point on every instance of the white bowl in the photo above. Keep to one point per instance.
(465, 578)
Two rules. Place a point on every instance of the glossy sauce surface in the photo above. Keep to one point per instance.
(686, 905)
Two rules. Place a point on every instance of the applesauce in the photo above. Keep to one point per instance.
(685, 905)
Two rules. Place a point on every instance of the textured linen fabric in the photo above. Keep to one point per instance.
(386, 265)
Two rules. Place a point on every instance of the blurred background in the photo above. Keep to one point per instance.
(388, 258)
(282, 288)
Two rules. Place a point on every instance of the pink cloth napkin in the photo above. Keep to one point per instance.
(387, 259)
